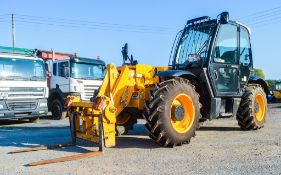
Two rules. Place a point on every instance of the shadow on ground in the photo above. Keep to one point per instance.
(12, 122)
(274, 105)
(22, 121)
(32, 136)
(278, 107)
(218, 128)
(26, 136)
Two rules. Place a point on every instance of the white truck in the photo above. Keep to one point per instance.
(23, 87)
(75, 76)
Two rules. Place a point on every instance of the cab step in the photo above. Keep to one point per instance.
(226, 115)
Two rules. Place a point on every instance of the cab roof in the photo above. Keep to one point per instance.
(87, 60)
(18, 56)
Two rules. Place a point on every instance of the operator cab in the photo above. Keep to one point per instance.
(216, 54)
(220, 46)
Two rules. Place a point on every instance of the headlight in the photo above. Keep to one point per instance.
(43, 104)
(1, 107)
(46, 92)
(4, 95)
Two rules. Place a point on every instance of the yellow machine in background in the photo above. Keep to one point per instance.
(277, 92)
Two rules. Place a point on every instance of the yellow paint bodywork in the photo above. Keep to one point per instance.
(122, 87)
(277, 94)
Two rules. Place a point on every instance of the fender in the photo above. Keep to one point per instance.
(260, 81)
(183, 74)
(176, 73)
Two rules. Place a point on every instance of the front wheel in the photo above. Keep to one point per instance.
(58, 112)
(173, 112)
(252, 110)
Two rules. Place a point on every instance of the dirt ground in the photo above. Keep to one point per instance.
(219, 147)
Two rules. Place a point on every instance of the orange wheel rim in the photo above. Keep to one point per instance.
(182, 113)
(260, 107)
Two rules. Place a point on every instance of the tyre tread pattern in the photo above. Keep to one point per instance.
(245, 114)
(154, 109)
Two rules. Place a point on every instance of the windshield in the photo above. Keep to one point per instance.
(192, 49)
(87, 71)
(21, 69)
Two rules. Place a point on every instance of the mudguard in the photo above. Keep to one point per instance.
(260, 81)
(175, 73)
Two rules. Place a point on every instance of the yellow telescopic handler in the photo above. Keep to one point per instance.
(208, 77)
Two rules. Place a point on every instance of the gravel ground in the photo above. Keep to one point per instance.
(219, 147)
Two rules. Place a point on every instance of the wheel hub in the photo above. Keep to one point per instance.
(257, 107)
(179, 112)
(260, 107)
(182, 113)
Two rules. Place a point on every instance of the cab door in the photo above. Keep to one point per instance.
(224, 66)
(61, 75)
(245, 56)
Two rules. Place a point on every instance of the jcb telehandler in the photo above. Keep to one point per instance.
(208, 77)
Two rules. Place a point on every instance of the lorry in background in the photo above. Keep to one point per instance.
(67, 75)
(23, 85)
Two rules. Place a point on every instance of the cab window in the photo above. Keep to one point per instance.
(55, 69)
(245, 56)
(245, 48)
(63, 69)
(226, 46)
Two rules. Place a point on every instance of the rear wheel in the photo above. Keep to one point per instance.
(252, 111)
(173, 112)
(125, 121)
(58, 112)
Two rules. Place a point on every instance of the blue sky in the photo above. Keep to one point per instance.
(92, 27)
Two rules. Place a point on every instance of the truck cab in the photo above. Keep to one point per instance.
(23, 87)
(74, 76)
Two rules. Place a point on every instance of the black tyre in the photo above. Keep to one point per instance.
(252, 111)
(57, 109)
(173, 112)
(126, 121)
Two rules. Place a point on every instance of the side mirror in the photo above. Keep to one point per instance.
(47, 69)
(66, 72)
(224, 17)
(194, 58)
(125, 52)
